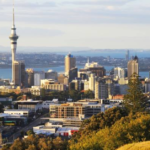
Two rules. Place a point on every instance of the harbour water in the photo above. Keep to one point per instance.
(7, 73)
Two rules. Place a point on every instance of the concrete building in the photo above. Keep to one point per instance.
(55, 87)
(127, 55)
(123, 81)
(38, 76)
(76, 84)
(147, 85)
(119, 73)
(61, 78)
(19, 73)
(133, 67)
(30, 74)
(35, 90)
(86, 85)
(46, 104)
(47, 82)
(72, 74)
(94, 68)
(92, 80)
(50, 74)
(103, 89)
(70, 63)
(30, 105)
(75, 110)
(21, 112)
(55, 129)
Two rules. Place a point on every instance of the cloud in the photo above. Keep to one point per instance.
(32, 32)
(97, 2)
(75, 11)
(27, 4)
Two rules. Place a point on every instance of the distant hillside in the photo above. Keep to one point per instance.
(136, 146)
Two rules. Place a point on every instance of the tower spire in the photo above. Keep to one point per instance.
(13, 14)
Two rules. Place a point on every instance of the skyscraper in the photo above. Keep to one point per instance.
(70, 63)
(119, 72)
(30, 74)
(13, 39)
(133, 66)
(19, 73)
(127, 55)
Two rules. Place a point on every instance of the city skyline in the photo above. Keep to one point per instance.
(95, 24)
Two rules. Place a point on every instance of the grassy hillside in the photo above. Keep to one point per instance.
(136, 146)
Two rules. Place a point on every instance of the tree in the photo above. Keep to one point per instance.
(43, 92)
(129, 129)
(88, 94)
(30, 132)
(134, 100)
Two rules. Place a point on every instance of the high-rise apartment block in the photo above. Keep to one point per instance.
(30, 76)
(38, 76)
(133, 67)
(19, 73)
(119, 73)
(103, 89)
(70, 63)
(127, 55)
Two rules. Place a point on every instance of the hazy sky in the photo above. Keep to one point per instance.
(94, 24)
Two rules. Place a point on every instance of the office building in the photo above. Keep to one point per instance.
(127, 55)
(19, 73)
(38, 76)
(55, 87)
(94, 68)
(133, 67)
(70, 63)
(103, 89)
(147, 85)
(32, 106)
(50, 74)
(75, 110)
(92, 80)
(119, 73)
(62, 79)
(72, 74)
(20, 112)
(76, 85)
(30, 76)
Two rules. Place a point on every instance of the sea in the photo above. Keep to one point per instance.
(7, 73)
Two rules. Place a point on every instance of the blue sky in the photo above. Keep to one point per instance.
(95, 24)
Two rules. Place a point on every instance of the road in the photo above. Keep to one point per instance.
(26, 128)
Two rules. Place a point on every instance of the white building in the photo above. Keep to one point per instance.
(38, 76)
(30, 105)
(147, 85)
(86, 85)
(35, 90)
(119, 73)
(56, 129)
(20, 112)
(46, 104)
(103, 90)
(92, 82)
(47, 82)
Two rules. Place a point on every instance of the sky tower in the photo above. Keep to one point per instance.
(13, 39)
